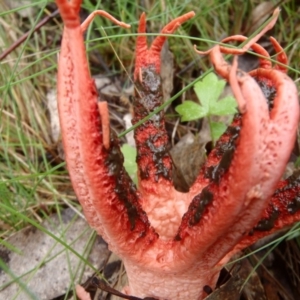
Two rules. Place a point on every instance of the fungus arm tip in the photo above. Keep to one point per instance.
(169, 29)
(236, 88)
(104, 14)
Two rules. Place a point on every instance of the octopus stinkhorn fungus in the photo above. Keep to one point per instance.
(173, 243)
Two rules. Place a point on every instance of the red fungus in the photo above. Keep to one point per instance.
(172, 243)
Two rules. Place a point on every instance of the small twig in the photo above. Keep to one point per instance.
(105, 287)
(18, 42)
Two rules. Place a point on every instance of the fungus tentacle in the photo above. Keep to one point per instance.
(153, 158)
(109, 198)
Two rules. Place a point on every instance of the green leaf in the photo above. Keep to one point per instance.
(190, 110)
(130, 164)
(217, 129)
(225, 106)
(209, 90)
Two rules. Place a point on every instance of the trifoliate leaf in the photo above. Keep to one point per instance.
(209, 90)
(190, 110)
(130, 164)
